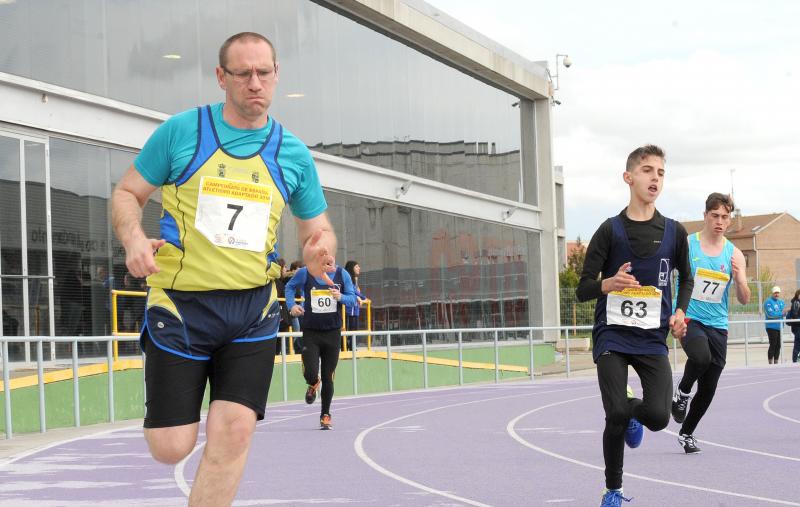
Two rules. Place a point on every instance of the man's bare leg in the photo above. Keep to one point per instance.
(171, 444)
(229, 429)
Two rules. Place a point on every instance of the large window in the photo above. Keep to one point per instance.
(425, 270)
(344, 88)
(88, 260)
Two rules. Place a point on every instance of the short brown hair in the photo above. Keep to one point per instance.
(716, 199)
(243, 36)
(641, 153)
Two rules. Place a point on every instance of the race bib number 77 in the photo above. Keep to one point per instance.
(709, 285)
(639, 307)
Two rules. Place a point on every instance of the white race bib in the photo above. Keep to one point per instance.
(322, 301)
(233, 214)
(640, 307)
(710, 285)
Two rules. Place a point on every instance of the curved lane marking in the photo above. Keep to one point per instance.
(358, 445)
(179, 471)
(766, 407)
(511, 431)
(772, 412)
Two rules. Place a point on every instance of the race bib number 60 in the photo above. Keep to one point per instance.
(322, 301)
(233, 214)
(639, 307)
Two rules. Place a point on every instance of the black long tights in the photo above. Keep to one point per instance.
(700, 369)
(652, 410)
(321, 347)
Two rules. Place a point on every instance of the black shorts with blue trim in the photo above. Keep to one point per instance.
(223, 337)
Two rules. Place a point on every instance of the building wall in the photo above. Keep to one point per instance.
(366, 99)
(779, 250)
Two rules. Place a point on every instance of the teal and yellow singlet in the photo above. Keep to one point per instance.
(220, 215)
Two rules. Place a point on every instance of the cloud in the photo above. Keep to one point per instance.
(714, 83)
(710, 112)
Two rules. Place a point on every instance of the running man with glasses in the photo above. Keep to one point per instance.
(226, 172)
(715, 262)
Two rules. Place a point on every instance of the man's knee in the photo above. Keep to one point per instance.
(229, 431)
(170, 445)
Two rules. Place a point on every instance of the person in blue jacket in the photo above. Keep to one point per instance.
(322, 326)
(353, 312)
(773, 310)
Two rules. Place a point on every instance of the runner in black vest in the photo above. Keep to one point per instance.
(627, 269)
(322, 330)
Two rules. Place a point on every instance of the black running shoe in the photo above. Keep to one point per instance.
(311, 393)
(689, 444)
(679, 404)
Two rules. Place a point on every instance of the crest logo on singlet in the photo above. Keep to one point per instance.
(254, 176)
(722, 267)
(663, 273)
(221, 170)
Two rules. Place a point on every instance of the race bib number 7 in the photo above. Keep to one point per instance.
(639, 307)
(233, 214)
(709, 285)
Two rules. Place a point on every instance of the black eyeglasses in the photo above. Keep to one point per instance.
(244, 76)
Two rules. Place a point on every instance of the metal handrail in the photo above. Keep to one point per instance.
(111, 360)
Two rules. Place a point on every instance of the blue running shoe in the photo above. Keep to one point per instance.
(634, 434)
(613, 498)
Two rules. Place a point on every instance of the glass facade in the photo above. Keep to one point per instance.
(427, 270)
(344, 89)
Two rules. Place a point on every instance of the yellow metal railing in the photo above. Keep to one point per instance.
(131, 293)
(115, 322)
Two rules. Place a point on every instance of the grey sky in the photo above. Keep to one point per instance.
(714, 83)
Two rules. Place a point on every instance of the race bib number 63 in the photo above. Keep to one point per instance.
(639, 307)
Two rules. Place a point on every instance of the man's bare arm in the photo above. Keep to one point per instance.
(129, 197)
(740, 277)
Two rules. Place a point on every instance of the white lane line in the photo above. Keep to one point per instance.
(61, 442)
(358, 445)
(766, 407)
(772, 412)
(741, 449)
(179, 471)
(515, 436)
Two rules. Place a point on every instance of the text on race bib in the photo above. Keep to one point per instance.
(639, 307)
(234, 214)
(710, 285)
(322, 301)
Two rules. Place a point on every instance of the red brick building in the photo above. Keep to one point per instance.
(767, 241)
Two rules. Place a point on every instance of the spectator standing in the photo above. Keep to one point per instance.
(353, 312)
(773, 310)
(794, 313)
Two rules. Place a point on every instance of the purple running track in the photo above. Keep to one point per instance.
(515, 443)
